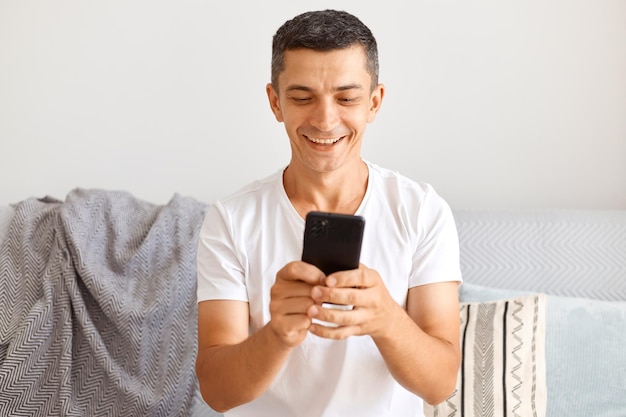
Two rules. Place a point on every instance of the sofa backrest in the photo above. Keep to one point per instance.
(576, 253)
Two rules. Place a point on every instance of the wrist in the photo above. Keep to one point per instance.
(393, 324)
(279, 341)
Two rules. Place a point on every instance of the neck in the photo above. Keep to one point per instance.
(337, 191)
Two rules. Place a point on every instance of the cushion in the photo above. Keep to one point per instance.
(503, 368)
(585, 355)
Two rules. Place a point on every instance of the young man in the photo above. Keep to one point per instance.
(260, 353)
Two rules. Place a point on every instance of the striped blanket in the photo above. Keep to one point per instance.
(98, 307)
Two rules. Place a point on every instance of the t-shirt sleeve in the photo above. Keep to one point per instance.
(436, 257)
(220, 270)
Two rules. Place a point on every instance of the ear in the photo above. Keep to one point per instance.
(272, 96)
(376, 100)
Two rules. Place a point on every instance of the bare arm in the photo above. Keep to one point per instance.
(234, 367)
(421, 348)
(420, 345)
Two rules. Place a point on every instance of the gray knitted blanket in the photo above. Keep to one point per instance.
(98, 307)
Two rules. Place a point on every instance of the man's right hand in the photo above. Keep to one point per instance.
(228, 357)
(290, 298)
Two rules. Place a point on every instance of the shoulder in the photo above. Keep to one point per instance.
(251, 196)
(244, 205)
(415, 206)
(254, 190)
(401, 190)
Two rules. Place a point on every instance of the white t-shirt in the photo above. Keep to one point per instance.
(410, 238)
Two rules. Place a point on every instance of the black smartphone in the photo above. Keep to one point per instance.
(332, 241)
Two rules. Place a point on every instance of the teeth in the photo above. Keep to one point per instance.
(324, 141)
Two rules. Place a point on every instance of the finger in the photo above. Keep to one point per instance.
(291, 322)
(361, 277)
(336, 315)
(345, 296)
(301, 271)
(287, 289)
(291, 305)
(336, 333)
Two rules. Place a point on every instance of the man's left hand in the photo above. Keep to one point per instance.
(373, 307)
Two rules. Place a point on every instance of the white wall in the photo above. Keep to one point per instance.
(498, 104)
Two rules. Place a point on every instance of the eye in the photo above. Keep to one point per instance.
(348, 100)
(300, 100)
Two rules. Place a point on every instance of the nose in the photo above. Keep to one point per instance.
(325, 115)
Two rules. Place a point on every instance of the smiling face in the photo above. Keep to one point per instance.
(325, 100)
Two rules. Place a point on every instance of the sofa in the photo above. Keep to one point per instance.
(548, 292)
(98, 310)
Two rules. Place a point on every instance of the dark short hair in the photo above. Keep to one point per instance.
(323, 30)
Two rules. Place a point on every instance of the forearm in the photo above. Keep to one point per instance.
(423, 364)
(232, 375)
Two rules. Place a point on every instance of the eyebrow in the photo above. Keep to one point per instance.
(297, 87)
